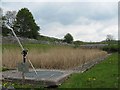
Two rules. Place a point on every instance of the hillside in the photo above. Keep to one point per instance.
(40, 40)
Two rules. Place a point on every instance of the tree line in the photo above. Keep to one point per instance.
(24, 25)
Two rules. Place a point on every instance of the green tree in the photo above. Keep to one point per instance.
(68, 38)
(9, 19)
(77, 43)
(5, 30)
(109, 39)
(25, 24)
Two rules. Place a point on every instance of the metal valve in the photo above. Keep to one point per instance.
(24, 52)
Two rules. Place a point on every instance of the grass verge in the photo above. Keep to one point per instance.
(15, 86)
(103, 75)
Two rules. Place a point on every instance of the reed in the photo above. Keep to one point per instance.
(53, 58)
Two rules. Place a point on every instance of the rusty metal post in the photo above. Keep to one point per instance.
(24, 52)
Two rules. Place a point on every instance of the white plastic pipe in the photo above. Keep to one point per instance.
(15, 36)
(20, 45)
(33, 67)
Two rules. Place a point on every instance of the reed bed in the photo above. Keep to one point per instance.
(54, 58)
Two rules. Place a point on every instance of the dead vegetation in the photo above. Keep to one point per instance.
(55, 58)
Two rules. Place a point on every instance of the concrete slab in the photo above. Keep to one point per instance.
(48, 77)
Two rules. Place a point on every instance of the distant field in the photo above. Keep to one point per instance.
(49, 56)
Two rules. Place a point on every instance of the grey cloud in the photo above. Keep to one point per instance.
(56, 19)
(67, 13)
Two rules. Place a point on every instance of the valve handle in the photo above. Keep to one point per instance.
(24, 52)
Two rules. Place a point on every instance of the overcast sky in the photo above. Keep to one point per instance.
(86, 21)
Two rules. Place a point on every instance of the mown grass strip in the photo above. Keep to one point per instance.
(103, 75)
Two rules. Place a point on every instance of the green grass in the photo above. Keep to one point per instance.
(22, 86)
(103, 75)
(31, 46)
(111, 48)
(27, 46)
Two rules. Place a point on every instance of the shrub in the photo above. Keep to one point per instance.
(111, 48)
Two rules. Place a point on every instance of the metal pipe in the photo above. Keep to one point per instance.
(15, 36)
(24, 52)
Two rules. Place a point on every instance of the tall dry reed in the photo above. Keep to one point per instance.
(56, 58)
